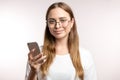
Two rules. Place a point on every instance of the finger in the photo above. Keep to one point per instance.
(38, 56)
(30, 57)
(30, 54)
(37, 61)
(41, 60)
(32, 50)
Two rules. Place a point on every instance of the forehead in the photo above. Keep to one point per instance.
(57, 13)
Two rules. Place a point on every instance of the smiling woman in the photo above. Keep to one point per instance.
(98, 23)
(62, 58)
(59, 22)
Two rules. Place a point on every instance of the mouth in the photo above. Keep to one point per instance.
(58, 31)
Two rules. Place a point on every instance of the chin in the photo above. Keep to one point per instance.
(60, 36)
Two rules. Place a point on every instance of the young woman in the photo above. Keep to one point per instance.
(61, 58)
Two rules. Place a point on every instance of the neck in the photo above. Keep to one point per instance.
(62, 46)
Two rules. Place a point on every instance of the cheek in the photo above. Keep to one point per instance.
(67, 29)
(50, 29)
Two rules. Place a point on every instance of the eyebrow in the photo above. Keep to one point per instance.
(63, 18)
(59, 18)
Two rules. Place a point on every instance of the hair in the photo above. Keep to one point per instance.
(73, 43)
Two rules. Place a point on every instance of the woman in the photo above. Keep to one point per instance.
(61, 57)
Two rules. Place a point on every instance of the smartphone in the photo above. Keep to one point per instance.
(34, 45)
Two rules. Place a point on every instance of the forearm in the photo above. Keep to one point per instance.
(32, 75)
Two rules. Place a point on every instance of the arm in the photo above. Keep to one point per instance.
(33, 66)
(32, 75)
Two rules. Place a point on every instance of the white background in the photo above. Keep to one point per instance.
(22, 21)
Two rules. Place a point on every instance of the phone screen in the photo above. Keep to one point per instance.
(34, 45)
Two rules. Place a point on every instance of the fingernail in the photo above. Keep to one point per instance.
(45, 60)
(33, 49)
(44, 56)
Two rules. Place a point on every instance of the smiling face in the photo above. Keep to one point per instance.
(59, 23)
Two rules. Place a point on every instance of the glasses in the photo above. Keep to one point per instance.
(62, 22)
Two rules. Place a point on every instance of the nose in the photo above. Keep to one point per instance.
(57, 25)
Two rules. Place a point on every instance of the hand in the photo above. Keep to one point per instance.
(37, 61)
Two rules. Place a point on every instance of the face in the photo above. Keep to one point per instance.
(59, 23)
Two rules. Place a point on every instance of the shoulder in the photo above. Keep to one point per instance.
(86, 58)
(88, 65)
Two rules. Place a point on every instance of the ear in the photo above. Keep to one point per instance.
(72, 22)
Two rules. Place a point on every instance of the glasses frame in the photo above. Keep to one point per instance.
(60, 22)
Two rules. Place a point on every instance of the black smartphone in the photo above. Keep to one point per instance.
(34, 45)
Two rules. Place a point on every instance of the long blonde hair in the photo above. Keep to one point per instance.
(73, 43)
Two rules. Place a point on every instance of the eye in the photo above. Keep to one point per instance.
(51, 21)
(63, 20)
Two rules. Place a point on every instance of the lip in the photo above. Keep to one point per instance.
(58, 31)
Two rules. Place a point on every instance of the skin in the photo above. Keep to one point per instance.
(60, 33)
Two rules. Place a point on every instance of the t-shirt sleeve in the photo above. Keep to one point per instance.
(27, 71)
(39, 77)
(88, 65)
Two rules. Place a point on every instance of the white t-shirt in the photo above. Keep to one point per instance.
(63, 69)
